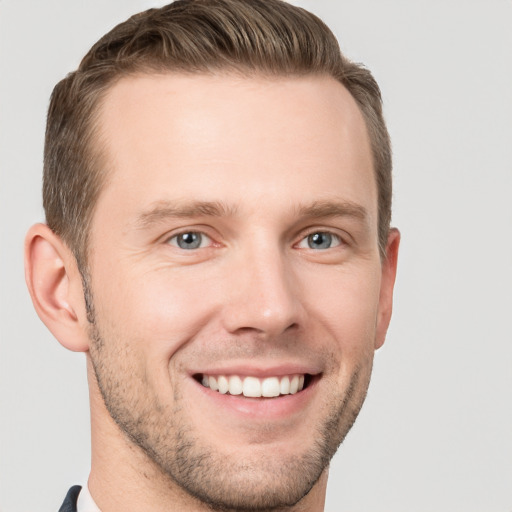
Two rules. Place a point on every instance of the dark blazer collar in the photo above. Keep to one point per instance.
(69, 504)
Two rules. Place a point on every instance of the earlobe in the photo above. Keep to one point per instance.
(389, 266)
(54, 284)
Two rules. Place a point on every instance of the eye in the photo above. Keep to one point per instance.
(320, 240)
(190, 240)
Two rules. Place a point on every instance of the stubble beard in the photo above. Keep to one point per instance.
(224, 484)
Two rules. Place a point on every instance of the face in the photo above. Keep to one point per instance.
(236, 281)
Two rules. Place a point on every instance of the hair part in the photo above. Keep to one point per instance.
(265, 37)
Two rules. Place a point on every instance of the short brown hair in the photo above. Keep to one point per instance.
(269, 37)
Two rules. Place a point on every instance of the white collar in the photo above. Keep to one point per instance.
(85, 503)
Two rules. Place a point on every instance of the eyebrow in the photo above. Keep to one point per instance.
(163, 210)
(326, 209)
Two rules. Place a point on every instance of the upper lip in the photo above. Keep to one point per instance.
(259, 370)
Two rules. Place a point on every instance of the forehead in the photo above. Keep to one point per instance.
(226, 137)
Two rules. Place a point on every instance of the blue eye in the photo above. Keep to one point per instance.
(189, 240)
(320, 240)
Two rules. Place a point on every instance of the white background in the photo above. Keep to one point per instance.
(436, 431)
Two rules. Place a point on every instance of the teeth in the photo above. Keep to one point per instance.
(254, 387)
(270, 387)
(212, 383)
(294, 385)
(285, 386)
(223, 384)
(236, 386)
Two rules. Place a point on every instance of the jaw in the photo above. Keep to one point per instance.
(244, 447)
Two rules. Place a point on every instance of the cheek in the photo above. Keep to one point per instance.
(347, 308)
(162, 309)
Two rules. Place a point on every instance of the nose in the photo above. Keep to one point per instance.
(262, 295)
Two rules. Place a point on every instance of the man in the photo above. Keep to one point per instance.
(217, 189)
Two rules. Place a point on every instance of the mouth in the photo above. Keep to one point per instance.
(255, 387)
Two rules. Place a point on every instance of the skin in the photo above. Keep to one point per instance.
(257, 166)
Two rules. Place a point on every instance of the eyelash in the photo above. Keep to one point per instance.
(182, 234)
(330, 237)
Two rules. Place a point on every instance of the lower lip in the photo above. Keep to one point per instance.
(259, 408)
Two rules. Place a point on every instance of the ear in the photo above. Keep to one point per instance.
(55, 285)
(386, 286)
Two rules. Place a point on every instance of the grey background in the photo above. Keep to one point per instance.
(436, 431)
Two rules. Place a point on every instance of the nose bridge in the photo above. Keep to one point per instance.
(263, 294)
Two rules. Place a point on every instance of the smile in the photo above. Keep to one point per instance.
(254, 387)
